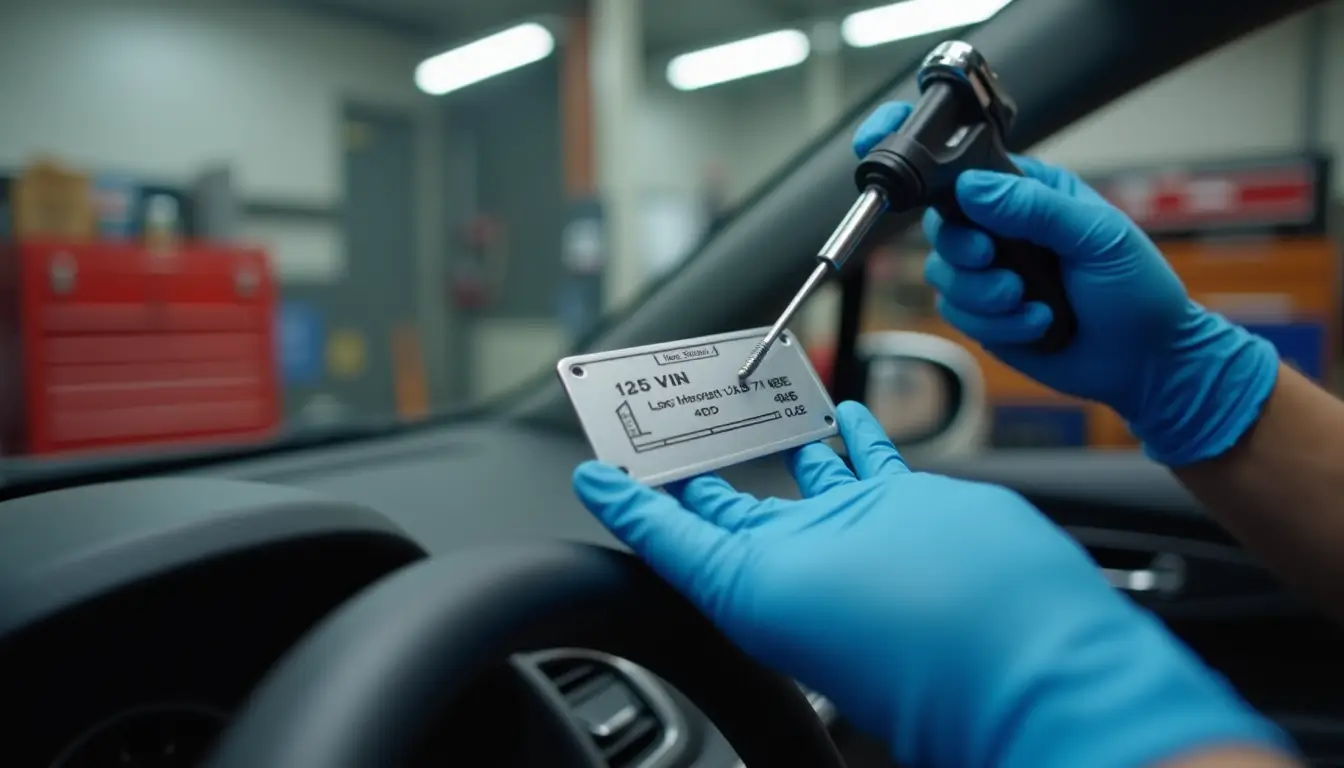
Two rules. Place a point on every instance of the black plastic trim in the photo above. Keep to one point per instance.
(64, 548)
(364, 687)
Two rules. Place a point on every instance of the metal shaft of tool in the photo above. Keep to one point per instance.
(833, 255)
(754, 359)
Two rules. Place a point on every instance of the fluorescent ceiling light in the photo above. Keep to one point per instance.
(914, 18)
(734, 61)
(484, 58)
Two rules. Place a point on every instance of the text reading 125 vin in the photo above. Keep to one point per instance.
(629, 388)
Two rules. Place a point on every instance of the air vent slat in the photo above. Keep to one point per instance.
(568, 676)
(633, 742)
(593, 685)
(609, 708)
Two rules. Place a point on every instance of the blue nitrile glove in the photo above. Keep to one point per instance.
(1188, 382)
(949, 618)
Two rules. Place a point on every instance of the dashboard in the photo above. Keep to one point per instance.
(136, 616)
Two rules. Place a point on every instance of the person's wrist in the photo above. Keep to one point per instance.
(1138, 698)
(1204, 391)
(1095, 681)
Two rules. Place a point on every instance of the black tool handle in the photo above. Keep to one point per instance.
(1039, 267)
(918, 165)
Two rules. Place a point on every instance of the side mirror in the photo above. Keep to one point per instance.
(928, 392)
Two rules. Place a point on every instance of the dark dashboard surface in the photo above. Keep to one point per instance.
(136, 616)
(481, 483)
(488, 482)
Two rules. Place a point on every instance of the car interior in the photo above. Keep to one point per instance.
(434, 594)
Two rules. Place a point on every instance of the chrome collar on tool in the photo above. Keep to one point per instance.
(961, 61)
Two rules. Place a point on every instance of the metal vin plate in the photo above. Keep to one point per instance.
(671, 411)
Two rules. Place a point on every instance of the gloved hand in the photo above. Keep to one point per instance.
(1188, 382)
(949, 618)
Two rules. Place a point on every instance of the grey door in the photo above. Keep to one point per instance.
(359, 312)
(379, 234)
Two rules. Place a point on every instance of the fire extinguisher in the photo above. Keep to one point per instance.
(479, 271)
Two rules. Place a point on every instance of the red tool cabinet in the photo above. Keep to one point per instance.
(110, 346)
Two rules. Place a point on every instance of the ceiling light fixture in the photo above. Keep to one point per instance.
(734, 61)
(483, 59)
(914, 18)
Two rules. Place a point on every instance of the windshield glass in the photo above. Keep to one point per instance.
(230, 225)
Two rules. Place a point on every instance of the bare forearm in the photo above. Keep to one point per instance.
(1280, 491)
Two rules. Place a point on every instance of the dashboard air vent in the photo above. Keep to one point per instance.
(612, 707)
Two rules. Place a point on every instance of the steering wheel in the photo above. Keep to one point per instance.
(373, 680)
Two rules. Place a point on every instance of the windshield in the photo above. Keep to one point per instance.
(233, 225)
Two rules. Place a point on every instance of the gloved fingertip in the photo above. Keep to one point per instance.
(937, 272)
(932, 224)
(1008, 205)
(981, 194)
(866, 441)
(817, 469)
(851, 413)
(964, 247)
(593, 472)
(1033, 168)
(702, 489)
(976, 181)
(1002, 290)
(878, 125)
(600, 486)
(968, 323)
(1038, 315)
(810, 455)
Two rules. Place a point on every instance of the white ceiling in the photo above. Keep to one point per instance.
(670, 26)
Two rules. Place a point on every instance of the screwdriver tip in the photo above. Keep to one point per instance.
(753, 360)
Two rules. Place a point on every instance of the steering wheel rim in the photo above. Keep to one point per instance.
(364, 687)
